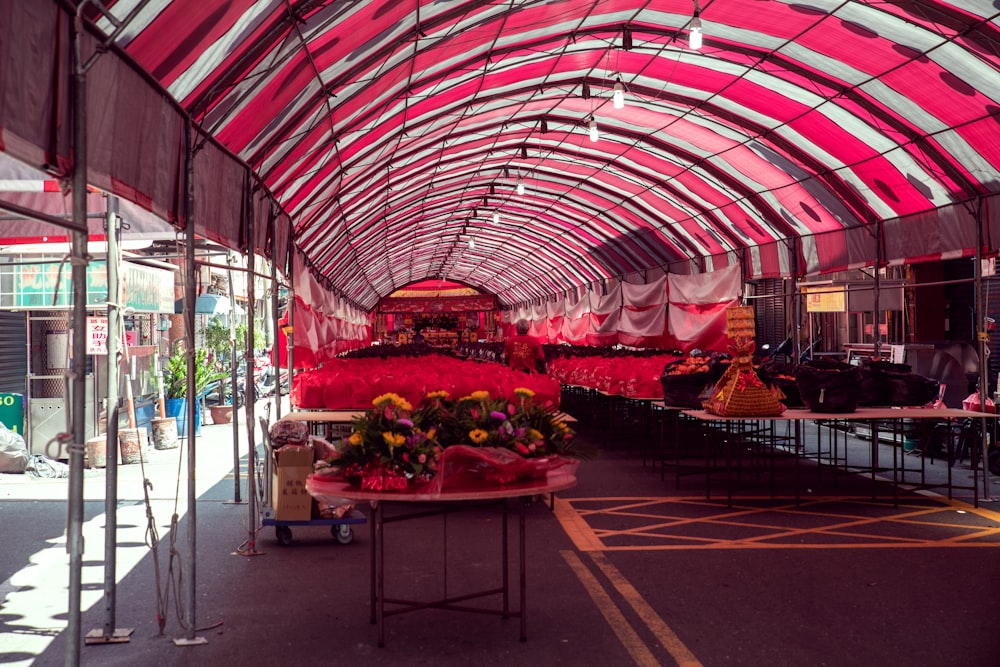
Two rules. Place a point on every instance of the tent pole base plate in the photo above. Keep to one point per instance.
(120, 636)
(184, 641)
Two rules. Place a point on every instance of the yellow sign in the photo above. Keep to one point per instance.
(825, 299)
(740, 322)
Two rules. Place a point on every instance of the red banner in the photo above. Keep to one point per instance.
(438, 305)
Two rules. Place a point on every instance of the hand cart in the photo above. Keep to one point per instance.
(340, 528)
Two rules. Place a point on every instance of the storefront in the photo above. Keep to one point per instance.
(36, 293)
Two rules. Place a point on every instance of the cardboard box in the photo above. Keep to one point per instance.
(291, 501)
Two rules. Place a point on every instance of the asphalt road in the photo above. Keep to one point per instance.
(627, 570)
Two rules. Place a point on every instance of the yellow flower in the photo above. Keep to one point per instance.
(524, 392)
(431, 433)
(441, 393)
(477, 435)
(535, 435)
(393, 439)
(480, 395)
(380, 401)
(392, 399)
(355, 439)
(560, 426)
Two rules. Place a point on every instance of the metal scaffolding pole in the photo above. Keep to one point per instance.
(77, 374)
(290, 342)
(233, 373)
(190, 295)
(983, 341)
(109, 633)
(877, 318)
(252, 508)
(275, 359)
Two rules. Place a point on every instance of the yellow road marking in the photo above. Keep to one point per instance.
(667, 517)
(666, 636)
(619, 624)
(576, 527)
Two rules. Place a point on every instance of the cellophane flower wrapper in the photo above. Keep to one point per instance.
(465, 467)
(331, 505)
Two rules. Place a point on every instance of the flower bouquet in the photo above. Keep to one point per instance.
(493, 441)
(394, 445)
(518, 425)
(387, 450)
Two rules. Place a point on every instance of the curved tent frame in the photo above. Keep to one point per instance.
(382, 137)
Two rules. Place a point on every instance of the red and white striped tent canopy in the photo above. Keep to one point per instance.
(385, 140)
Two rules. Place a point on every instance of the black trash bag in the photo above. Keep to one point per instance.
(873, 388)
(775, 373)
(904, 389)
(685, 390)
(828, 386)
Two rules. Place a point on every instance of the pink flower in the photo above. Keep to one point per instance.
(406, 457)
(474, 413)
(511, 409)
(521, 448)
(532, 447)
(422, 458)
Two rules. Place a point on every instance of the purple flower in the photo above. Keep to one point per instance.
(498, 415)
(405, 422)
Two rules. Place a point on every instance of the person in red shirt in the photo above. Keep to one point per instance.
(523, 352)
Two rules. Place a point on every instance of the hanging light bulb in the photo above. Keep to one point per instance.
(594, 136)
(520, 187)
(694, 32)
(496, 217)
(619, 95)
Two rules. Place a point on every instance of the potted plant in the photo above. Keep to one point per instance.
(175, 377)
(216, 338)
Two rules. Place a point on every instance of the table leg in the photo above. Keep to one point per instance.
(523, 505)
(371, 551)
(873, 429)
(377, 546)
(503, 560)
(729, 464)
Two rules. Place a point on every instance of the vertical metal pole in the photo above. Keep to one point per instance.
(796, 300)
(77, 379)
(190, 297)
(877, 331)
(290, 342)
(112, 231)
(232, 377)
(983, 339)
(275, 365)
(250, 389)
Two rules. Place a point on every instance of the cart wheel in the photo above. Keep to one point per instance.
(284, 534)
(343, 533)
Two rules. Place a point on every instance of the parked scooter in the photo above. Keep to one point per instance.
(217, 392)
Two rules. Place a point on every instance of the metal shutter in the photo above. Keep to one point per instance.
(13, 352)
(769, 311)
